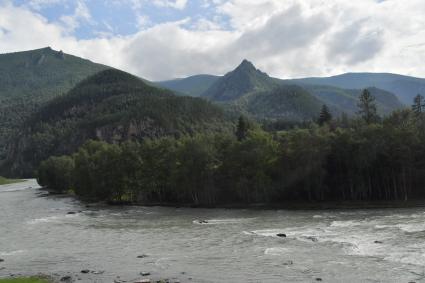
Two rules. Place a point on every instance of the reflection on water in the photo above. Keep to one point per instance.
(207, 245)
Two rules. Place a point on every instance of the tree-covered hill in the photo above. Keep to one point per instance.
(111, 106)
(252, 92)
(404, 87)
(192, 86)
(29, 79)
(345, 100)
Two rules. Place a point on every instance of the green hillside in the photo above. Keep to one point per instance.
(29, 79)
(192, 86)
(111, 106)
(290, 103)
(404, 87)
(346, 100)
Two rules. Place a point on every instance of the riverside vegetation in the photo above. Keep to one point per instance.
(360, 159)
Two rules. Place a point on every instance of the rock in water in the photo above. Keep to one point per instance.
(281, 235)
(66, 279)
(85, 271)
(1, 260)
(142, 256)
(378, 242)
(145, 273)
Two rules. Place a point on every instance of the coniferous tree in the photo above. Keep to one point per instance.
(418, 104)
(325, 115)
(242, 128)
(367, 107)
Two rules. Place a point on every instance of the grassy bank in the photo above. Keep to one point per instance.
(25, 280)
(5, 181)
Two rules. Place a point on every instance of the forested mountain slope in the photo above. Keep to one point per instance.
(111, 106)
(29, 79)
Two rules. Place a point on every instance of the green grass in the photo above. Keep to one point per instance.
(25, 280)
(5, 181)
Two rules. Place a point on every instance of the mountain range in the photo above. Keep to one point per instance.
(52, 102)
(255, 93)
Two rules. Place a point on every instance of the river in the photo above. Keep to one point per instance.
(37, 235)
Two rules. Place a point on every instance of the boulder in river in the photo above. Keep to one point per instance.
(145, 273)
(66, 278)
(85, 271)
(142, 256)
(319, 279)
(378, 242)
(71, 212)
(313, 239)
(1, 260)
(281, 235)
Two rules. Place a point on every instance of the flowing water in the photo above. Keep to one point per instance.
(37, 235)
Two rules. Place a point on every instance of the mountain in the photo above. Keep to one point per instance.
(290, 103)
(252, 92)
(243, 80)
(346, 100)
(404, 87)
(111, 106)
(29, 79)
(233, 89)
(192, 86)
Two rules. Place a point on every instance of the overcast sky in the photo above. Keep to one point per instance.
(163, 39)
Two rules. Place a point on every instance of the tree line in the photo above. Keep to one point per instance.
(362, 159)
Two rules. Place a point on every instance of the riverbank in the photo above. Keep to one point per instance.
(26, 280)
(6, 181)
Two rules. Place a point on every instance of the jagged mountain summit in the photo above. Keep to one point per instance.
(239, 82)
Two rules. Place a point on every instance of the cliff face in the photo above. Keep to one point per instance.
(111, 106)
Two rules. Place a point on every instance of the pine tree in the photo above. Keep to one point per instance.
(242, 128)
(367, 107)
(418, 104)
(325, 115)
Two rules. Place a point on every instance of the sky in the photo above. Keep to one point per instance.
(165, 39)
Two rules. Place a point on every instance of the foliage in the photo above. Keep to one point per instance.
(358, 162)
(29, 79)
(112, 106)
(419, 104)
(325, 115)
(367, 107)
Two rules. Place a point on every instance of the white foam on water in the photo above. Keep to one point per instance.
(51, 219)
(11, 253)
(221, 221)
(347, 223)
(24, 185)
(276, 251)
(269, 232)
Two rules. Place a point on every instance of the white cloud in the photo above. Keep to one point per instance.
(286, 38)
(80, 14)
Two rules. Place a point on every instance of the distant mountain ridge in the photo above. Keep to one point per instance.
(192, 86)
(404, 87)
(241, 85)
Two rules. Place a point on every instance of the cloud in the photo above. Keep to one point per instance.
(286, 38)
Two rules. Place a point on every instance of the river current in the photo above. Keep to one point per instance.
(37, 235)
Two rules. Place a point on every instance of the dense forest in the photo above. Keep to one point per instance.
(366, 158)
(112, 106)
